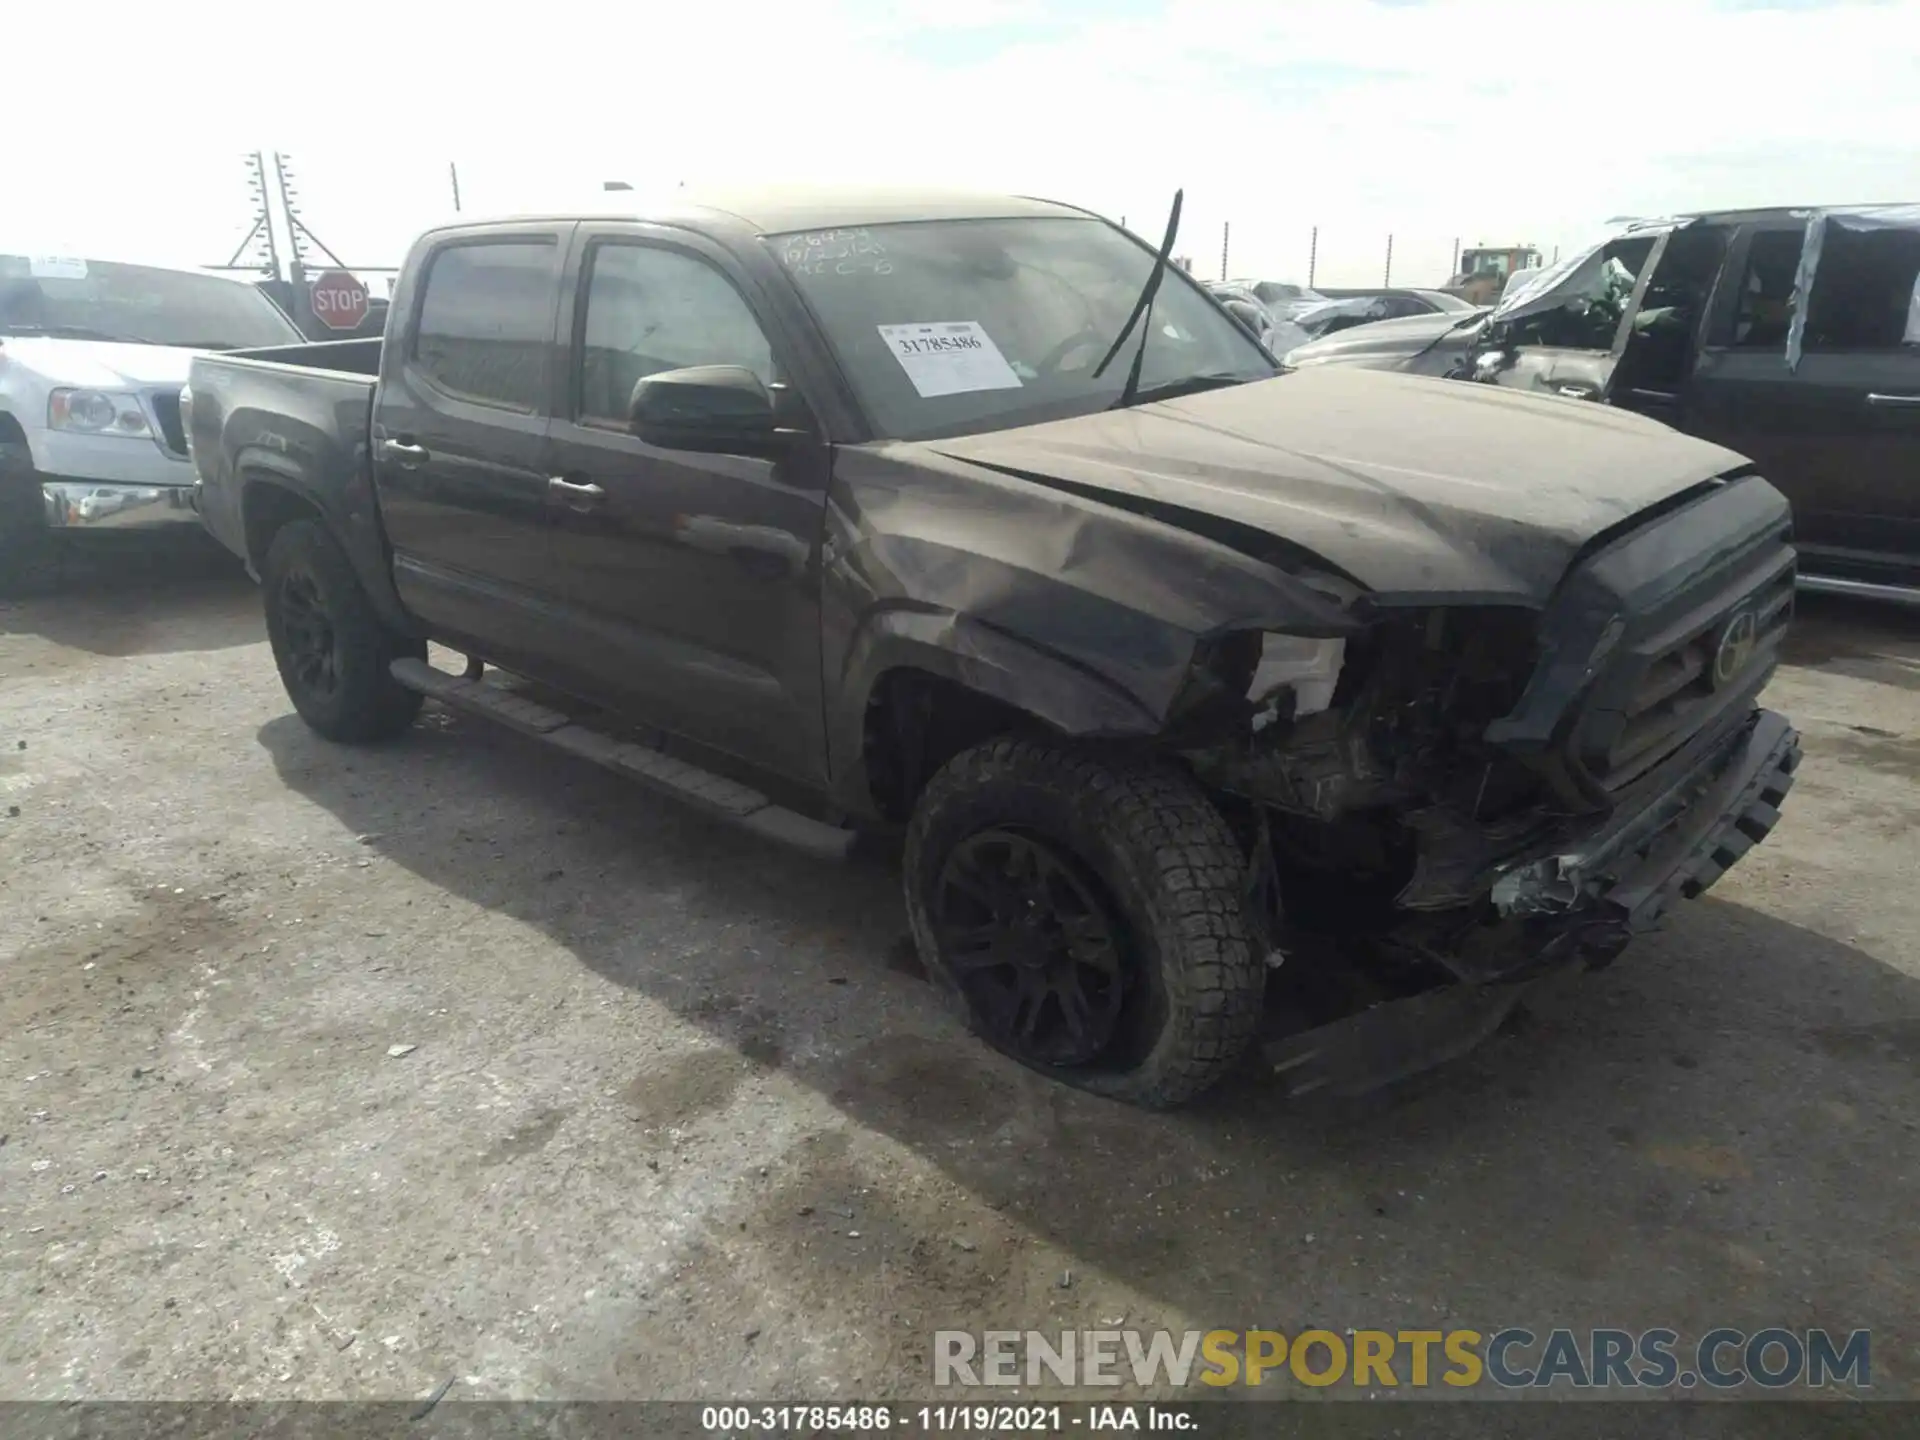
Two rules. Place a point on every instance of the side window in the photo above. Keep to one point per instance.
(1764, 307)
(1864, 291)
(651, 309)
(485, 322)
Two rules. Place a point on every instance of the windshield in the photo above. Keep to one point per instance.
(950, 326)
(97, 300)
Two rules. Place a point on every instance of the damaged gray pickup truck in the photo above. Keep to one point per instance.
(1327, 710)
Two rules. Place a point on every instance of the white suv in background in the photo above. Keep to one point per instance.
(93, 357)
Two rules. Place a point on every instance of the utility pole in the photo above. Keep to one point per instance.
(453, 174)
(1456, 258)
(1313, 255)
(1388, 280)
(1226, 230)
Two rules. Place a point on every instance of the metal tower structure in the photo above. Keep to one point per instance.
(258, 250)
(300, 237)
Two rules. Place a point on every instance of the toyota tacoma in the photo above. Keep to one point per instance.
(1225, 712)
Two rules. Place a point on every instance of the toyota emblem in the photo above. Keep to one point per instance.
(1737, 640)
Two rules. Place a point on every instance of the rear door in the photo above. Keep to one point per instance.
(460, 437)
(1840, 435)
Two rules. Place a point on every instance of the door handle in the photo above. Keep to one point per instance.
(1903, 400)
(403, 453)
(580, 496)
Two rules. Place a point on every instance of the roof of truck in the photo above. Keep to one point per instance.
(1756, 213)
(772, 210)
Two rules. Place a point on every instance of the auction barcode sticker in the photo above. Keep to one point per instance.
(949, 357)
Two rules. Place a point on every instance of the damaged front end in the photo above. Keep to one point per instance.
(1453, 803)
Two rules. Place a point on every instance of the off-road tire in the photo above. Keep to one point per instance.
(364, 703)
(1172, 874)
(29, 561)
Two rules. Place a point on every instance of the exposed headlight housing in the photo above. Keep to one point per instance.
(97, 412)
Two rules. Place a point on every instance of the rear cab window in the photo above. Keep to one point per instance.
(485, 322)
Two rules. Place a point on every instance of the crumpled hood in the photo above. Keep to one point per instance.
(1419, 489)
(1436, 339)
(98, 364)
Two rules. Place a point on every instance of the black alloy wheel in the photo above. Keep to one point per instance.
(312, 649)
(334, 653)
(1033, 946)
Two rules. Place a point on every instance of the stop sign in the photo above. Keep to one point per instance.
(339, 301)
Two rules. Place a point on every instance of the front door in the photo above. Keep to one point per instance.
(1672, 310)
(460, 438)
(1571, 349)
(691, 579)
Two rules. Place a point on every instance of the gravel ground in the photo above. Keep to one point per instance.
(334, 1073)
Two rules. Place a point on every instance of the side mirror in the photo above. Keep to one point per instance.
(723, 409)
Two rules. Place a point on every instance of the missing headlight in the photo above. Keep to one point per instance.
(1309, 669)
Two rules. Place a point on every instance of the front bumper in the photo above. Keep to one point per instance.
(90, 505)
(1579, 907)
(108, 460)
(111, 482)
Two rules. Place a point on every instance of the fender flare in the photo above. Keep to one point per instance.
(1065, 697)
(259, 469)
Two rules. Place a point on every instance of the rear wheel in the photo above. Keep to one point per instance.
(332, 650)
(1086, 917)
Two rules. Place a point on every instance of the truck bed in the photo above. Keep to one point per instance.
(345, 357)
(296, 417)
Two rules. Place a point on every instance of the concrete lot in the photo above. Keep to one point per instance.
(682, 1120)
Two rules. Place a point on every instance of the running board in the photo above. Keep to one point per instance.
(727, 799)
(1858, 589)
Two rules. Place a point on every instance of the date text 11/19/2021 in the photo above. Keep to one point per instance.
(744, 1420)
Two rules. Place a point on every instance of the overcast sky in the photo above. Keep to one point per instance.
(1426, 119)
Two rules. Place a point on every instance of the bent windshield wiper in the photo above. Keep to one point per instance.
(1141, 308)
(1185, 385)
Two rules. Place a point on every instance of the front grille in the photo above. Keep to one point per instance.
(1691, 667)
(166, 410)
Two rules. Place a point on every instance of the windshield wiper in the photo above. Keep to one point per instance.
(70, 332)
(1185, 385)
(1141, 312)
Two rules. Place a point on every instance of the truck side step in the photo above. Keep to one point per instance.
(728, 799)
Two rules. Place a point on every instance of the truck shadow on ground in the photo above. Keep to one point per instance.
(156, 594)
(1684, 1139)
(1855, 638)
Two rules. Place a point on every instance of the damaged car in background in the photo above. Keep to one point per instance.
(1789, 336)
(1218, 712)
